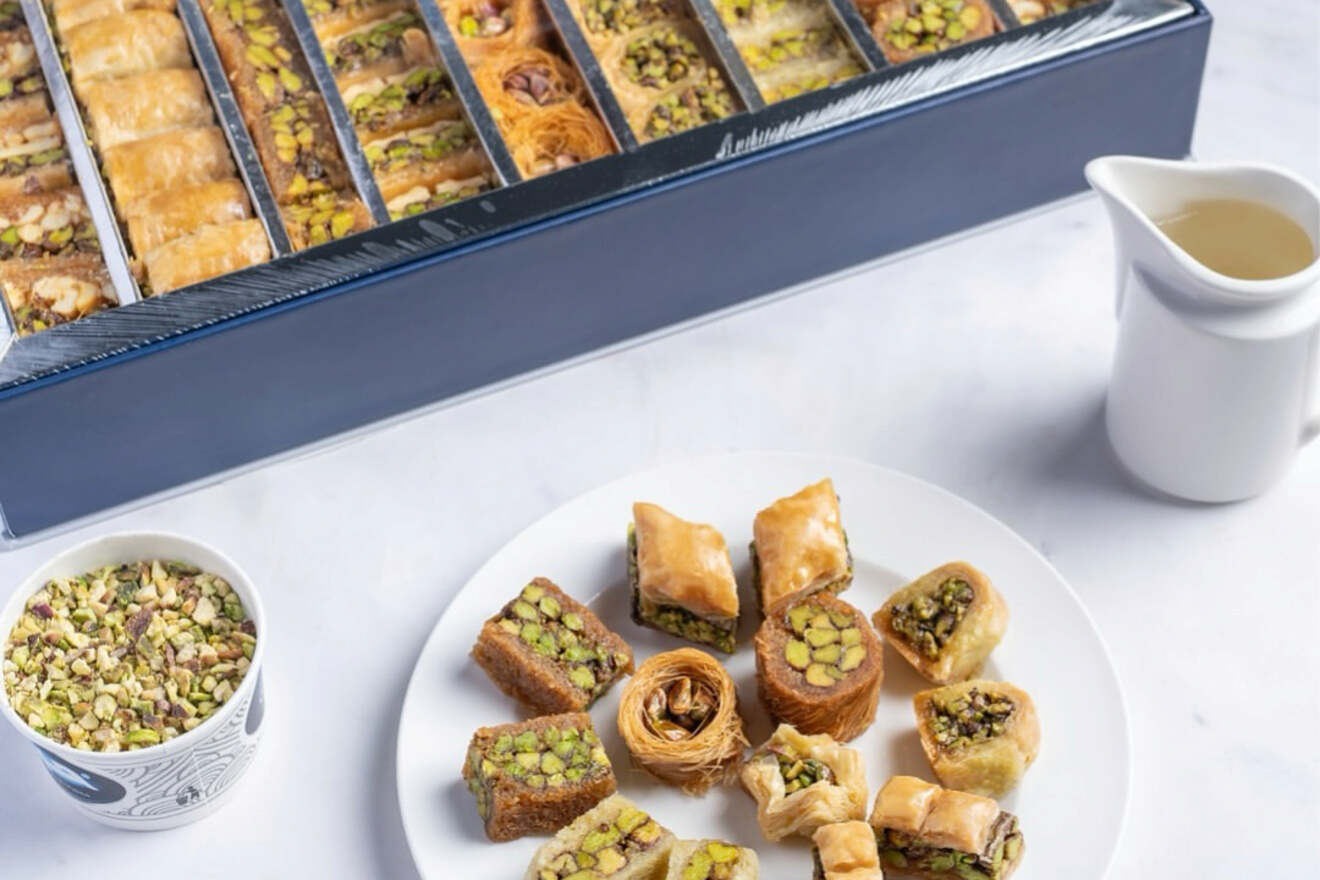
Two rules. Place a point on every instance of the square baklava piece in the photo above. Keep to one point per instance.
(799, 547)
(548, 651)
(535, 776)
(614, 839)
(681, 577)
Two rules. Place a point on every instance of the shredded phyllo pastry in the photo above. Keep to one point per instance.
(679, 718)
(127, 656)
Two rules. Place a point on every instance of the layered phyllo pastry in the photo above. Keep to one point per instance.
(44, 293)
(679, 718)
(802, 782)
(945, 623)
(980, 736)
(799, 547)
(153, 102)
(819, 666)
(926, 832)
(1028, 11)
(122, 44)
(711, 860)
(71, 13)
(46, 224)
(535, 776)
(845, 851)
(789, 46)
(908, 29)
(208, 251)
(20, 72)
(661, 69)
(681, 578)
(32, 153)
(615, 839)
(550, 652)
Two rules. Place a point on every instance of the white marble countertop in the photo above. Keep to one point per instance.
(989, 383)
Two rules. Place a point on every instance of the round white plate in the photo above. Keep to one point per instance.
(1071, 802)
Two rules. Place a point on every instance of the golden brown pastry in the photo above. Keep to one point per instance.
(799, 547)
(980, 736)
(681, 578)
(43, 293)
(801, 782)
(845, 851)
(819, 666)
(119, 45)
(166, 161)
(205, 253)
(171, 213)
(712, 860)
(925, 832)
(945, 623)
(615, 838)
(679, 718)
(71, 13)
(906, 29)
(144, 104)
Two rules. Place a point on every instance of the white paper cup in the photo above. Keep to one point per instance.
(179, 781)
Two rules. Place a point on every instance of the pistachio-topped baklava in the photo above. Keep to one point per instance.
(980, 736)
(549, 651)
(534, 776)
(925, 832)
(1029, 11)
(790, 46)
(615, 839)
(819, 666)
(908, 29)
(799, 547)
(681, 578)
(801, 782)
(712, 860)
(43, 293)
(845, 851)
(945, 623)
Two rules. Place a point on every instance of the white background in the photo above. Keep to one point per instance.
(979, 365)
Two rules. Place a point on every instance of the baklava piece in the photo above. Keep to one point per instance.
(845, 851)
(1029, 11)
(44, 293)
(801, 782)
(790, 46)
(206, 252)
(535, 776)
(615, 840)
(908, 29)
(71, 13)
(712, 860)
(124, 44)
(819, 666)
(925, 832)
(550, 652)
(45, 225)
(979, 736)
(799, 547)
(32, 154)
(681, 578)
(20, 72)
(945, 623)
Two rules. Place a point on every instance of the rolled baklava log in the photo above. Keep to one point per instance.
(119, 45)
(550, 652)
(288, 120)
(535, 776)
(799, 547)
(712, 860)
(845, 851)
(908, 29)
(681, 578)
(71, 13)
(819, 666)
(679, 718)
(801, 782)
(44, 293)
(979, 736)
(945, 623)
(614, 839)
(790, 46)
(925, 832)
(658, 63)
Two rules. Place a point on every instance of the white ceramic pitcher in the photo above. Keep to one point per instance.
(1216, 381)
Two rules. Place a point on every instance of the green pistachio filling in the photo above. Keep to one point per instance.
(33, 239)
(384, 40)
(735, 12)
(928, 622)
(11, 15)
(1029, 11)
(547, 628)
(127, 656)
(416, 147)
(720, 634)
(485, 19)
(933, 25)
(902, 851)
(789, 45)
(21, 85)
(812, 82)
(827, 644)
(680, 710)
(660, 59)
(549, 759)
(440, 198)
(621, 16)
(607, 848)
(421, 87)
(16, 165)
(276, 63)
(320, 216)
(798, 772)
(691, 108)
(972, 718)
(714, 861)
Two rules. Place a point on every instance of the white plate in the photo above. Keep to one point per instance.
(1071, 802)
